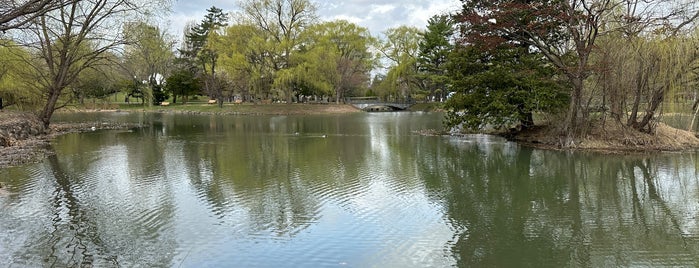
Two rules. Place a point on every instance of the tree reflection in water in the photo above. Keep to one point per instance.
(519, 207)
(99, 217)
(199, 190)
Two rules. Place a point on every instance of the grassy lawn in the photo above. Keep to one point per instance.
(200, 105)
(243, 108)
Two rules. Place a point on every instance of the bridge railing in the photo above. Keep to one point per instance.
(370, 100)
(356, 100)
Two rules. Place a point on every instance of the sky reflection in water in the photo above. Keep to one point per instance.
(356, 190)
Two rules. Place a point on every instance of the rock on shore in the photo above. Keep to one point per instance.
(16, 127)
(23, 138)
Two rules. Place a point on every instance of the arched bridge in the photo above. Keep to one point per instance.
(373, 104)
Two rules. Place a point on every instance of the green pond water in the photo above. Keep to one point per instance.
(360, 190)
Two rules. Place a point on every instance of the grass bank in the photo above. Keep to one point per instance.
(228, 108)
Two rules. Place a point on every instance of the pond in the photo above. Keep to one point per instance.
(359, 190)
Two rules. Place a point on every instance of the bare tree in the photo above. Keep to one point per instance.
(17, 13)
(73, 38)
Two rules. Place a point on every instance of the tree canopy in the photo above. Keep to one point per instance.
(433, 53)
(500, 88)
(400, 48)
(148, 57)
(567, 32)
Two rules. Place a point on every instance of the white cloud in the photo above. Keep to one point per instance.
(352, 19)
(382, 9)
(376, 15)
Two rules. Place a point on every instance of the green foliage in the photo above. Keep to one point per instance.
(241, 57)
(278, 51)
(78, 36)
(381, 87)
(401, 48)
(134, 89)
(558, 29)
(159, 94)
(500, 88)
(182, 82)
(149, 56)
(16, 85)
(95, 83)
(149, 51)
(197, 37)
(434, 49)
(279, 24)
(335, 58)
(568, 32)
(204, 53)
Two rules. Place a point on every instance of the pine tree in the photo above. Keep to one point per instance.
(434, 49)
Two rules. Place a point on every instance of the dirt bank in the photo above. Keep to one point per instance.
(612, 137)
(23, 138)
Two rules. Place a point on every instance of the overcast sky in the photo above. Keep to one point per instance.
(376, 15)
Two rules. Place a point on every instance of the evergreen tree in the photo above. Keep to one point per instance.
(501, 88)
(434, 49)
(199, 51)
(197, 36)
(182, 82)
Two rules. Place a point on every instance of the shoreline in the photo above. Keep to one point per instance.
(231, 109)
(36, 148)
(23, 139)
(612, 139)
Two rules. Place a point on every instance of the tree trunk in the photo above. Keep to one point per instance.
(656, 100)
(690, 128)
(50, 107)
(338, 94)
(571, 126)
(616, 97)
(527, 120)
(640, 84)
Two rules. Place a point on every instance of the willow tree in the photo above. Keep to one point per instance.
(15, 14)
(400, 48)
(281, 22)
(16, 86)
(242, 59)
(637, 73)
(98, 82)
(149, 56)
(338, 52)
(73, 38)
